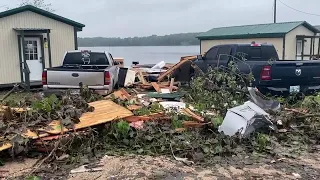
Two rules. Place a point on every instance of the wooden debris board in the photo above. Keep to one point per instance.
(171, 70)
(121, 94)
(105, 111)
(5, 146)
(156, 87)
(141, 78)
(188, 112)
(171, 85)
(133, 107)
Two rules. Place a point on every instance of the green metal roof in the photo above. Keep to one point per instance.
(10, 12)
(273, 30)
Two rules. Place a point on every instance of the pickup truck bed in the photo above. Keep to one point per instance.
(101, 77)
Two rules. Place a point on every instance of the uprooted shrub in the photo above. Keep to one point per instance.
(219, 88)
(68, 108)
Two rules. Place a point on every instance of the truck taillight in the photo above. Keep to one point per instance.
(107, 78)
(44, 78)
(266, 73)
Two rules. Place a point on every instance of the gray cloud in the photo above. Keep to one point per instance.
(124, 18)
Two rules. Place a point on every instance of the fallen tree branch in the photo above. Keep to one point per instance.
(308, 116)
(8, 93)
(38, 165)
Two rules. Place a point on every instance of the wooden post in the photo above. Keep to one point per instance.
(25, 65)
(49, 48)
(171, 85)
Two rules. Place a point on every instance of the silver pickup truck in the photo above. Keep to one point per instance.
(97, 70)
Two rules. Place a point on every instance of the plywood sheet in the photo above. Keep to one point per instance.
(5, 146)
(105, 111)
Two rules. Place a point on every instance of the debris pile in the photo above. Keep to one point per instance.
(217, 114)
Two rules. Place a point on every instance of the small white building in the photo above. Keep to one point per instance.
(45, 36)
(292, 40)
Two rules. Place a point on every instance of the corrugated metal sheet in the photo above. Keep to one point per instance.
(61, 35)
(272, 30)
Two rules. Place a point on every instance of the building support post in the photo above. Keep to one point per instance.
(49, 48)
(26, 70)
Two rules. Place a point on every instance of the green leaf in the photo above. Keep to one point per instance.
(140, 151)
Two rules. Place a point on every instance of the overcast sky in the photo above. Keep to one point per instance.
(128, 18)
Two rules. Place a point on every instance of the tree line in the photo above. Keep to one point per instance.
(182, 39)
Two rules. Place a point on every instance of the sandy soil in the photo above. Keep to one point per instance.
(147, 167)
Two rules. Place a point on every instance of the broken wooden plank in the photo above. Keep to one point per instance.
(141, 78)
(105, 111)
(133, 107)
(121, 94)
(171, 85)
(192, 124)
(150, 117)
(156, 87)
(188, 112)
(171, 70)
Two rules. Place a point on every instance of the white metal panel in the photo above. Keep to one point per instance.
(62, 40)
(277, 42)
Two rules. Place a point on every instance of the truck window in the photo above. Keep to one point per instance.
(211, 55)
(255, 52)
(86, 58)
(269, 53)
(223, 52)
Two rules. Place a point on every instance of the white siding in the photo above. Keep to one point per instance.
(277, 42)
(62, 39)
(291, 42)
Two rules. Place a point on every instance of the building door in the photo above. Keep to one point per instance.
(299, 50)
(33, 57)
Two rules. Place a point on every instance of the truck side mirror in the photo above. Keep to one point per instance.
(199, 57)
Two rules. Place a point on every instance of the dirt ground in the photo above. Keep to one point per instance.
(147, 167)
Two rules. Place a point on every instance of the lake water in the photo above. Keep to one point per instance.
(148, 54)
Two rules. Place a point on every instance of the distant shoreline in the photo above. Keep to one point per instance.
(140, 46)
(183, 39)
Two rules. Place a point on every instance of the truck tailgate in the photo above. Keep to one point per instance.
(296, 72)
(74, 78)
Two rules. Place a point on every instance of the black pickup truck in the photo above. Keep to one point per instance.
(271, 74)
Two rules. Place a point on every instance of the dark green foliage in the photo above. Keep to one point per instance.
(219, 89)
(183, 39)
(68, 109)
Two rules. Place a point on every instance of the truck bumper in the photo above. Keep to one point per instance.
(48, 90)
(286, 90)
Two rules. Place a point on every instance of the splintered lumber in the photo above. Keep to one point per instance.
(105, 111)
(5, 146)
(16, 110)
(141, 78)
(171, 85)
(150, 117)
(188, 112)
(192, 124)
(156, 87)
(121, 94)
(188, 58)
(133, 107)
(171, 70)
